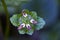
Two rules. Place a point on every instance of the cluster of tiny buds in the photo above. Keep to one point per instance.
(26, 25)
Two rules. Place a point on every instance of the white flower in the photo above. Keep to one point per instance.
(21, 26)
(28, 26)
(25, 14)
(33, 21)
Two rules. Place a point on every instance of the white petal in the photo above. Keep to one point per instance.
(23, 24)
(25, 15)
(28, 26)
(32, 20)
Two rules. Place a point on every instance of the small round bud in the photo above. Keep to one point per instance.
(33, 21)
(21, 26)
(28, 26)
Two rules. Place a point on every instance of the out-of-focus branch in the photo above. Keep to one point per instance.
(7, 19)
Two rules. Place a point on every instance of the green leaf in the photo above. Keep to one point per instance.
(33, 14)
(14, 19)
(30, 32)
(40, 23)
(21, 31)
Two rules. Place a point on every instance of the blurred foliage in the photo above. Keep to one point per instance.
(16, 4)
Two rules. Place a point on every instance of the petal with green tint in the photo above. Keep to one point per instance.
(30, 32)
(40, 23)
(14, 20)
(33, 14)
(21, 31)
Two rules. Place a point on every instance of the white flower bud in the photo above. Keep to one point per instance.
(21, 26)
(33, 21)
(28, 26)
(25, 14)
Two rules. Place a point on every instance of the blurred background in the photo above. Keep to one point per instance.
(47, 9)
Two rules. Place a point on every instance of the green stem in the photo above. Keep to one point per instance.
(7, 19)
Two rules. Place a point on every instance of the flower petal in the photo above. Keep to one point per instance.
(28, 26)
(25, 14)
(33, 21)
(40, 23)
(21, 31)
(30, 32)
(20, 27)
(14, 20)
(23, 24)
(33, 14)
